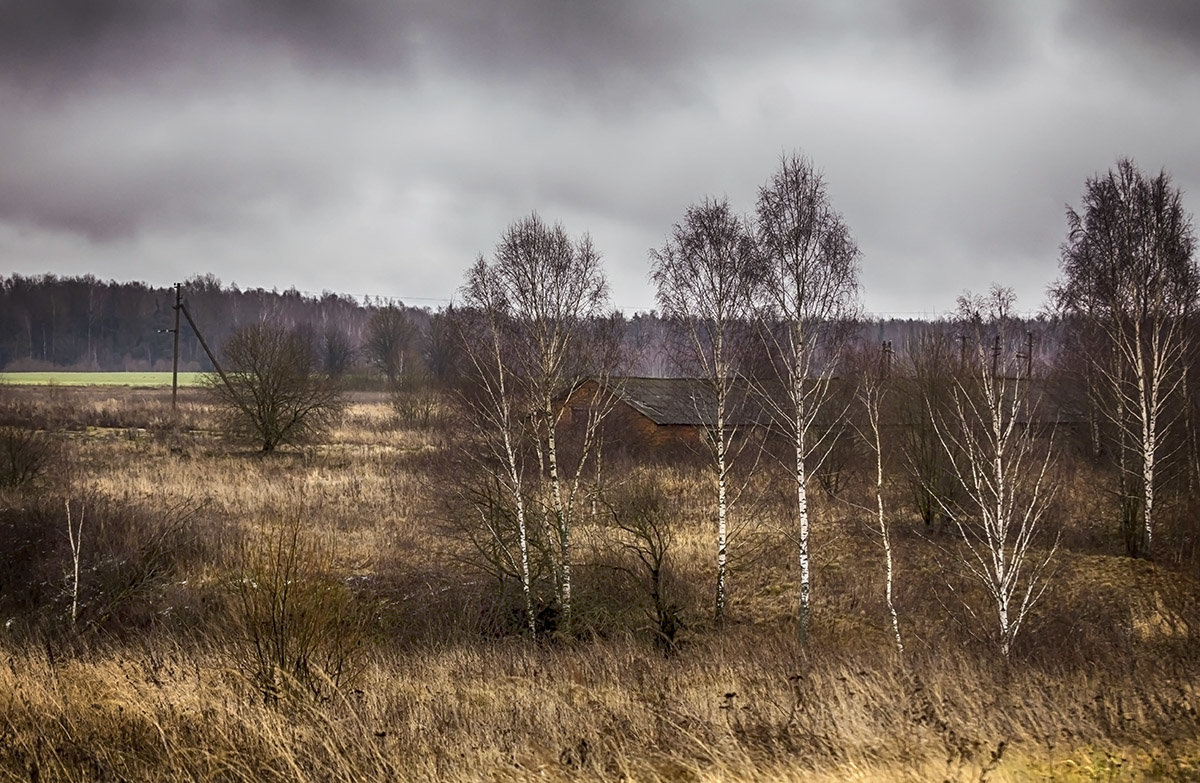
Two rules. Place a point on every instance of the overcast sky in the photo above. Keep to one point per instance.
(372, 147)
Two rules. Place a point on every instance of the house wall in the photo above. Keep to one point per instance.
(626, 428)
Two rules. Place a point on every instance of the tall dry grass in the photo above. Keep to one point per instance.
(748, 706)
(166, 681)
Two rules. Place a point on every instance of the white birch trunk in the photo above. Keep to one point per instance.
(884, 533)
(522, 534)
(722, 519)
(75, 539)
(802, 511)
(562, 523)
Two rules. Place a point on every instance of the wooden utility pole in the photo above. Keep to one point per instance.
(216, 365)
(175, 353)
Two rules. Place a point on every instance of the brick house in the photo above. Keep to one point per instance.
(655, 414)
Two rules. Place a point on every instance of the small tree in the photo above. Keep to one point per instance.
(390, 334)
(810, 287)
(924, 392)
(26, 454)
(707, 277)
(337, 353)
(874, 384)
(1130, 285)
(643, 518)
(272, 391)
(537, 327)
(991, 438)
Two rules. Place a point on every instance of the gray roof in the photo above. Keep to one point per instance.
(683, 401)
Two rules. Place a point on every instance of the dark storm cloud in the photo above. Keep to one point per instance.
(65, 43)
(69, 44)
(224, 132)
(1166, 32)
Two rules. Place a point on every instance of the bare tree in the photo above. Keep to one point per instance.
(810, 290)
(390, 335)
(707, 277)
(75, 539)
(874, 385)
(1130, 283)
(497, 406)
(923, 391)
(439, 348)
(643, 518)
(337, 353)
(273, 391)
(993, 441)
(540, 300)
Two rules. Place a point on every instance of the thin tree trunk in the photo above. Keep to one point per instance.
(522, 534)
(802, 513)
(560, 514)
(722, 511)
(873, 412)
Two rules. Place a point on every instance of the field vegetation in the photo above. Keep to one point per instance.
(321, 614)
(143, 380)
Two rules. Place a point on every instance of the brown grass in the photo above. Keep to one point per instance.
(1104, 686)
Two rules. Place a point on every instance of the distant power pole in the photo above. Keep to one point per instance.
(175, 352)
(1029, 354)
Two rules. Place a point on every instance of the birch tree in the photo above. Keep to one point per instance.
(494, 402)
(990, 435)
(707, 275)
(545, 299)
(1130, 284)
(809, 289)
(872, 392)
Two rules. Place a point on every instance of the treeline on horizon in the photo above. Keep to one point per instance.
(83, 323)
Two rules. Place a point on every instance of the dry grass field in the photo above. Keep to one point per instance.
(316, 615)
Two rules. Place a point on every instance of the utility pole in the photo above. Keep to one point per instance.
(1029, 354)
(175, 353)
(212, 358)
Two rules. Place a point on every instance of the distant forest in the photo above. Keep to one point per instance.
(84, 323)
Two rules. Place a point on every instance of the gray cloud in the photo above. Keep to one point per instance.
(59, 43)
(1163, 32)
(375, 147)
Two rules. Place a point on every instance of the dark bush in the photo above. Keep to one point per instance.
(26, 454)
(129, 559)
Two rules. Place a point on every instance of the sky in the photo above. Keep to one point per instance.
(377, 148)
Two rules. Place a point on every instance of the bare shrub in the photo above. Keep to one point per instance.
(298, 626)
(117, 574)
(274, 391)
(415, 404)
(643, 518)
(481, 522)
(26, 454)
